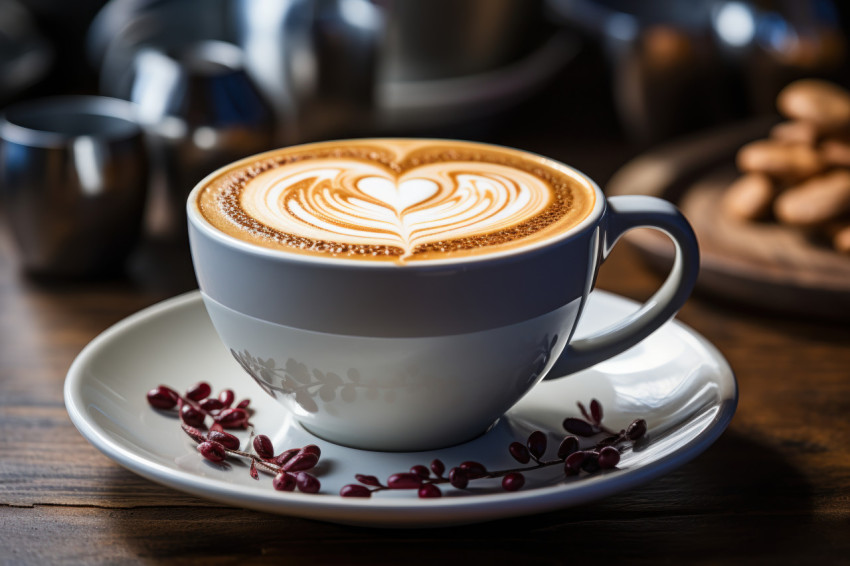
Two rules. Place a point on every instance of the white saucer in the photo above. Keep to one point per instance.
(676, 380)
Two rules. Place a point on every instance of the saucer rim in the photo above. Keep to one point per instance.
(387, 512)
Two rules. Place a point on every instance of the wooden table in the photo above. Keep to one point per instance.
(774, 489)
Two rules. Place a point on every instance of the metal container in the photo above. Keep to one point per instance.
(336, 68)
(73, 182)
(200, 111)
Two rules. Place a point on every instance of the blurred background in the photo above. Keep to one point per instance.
(589, 82)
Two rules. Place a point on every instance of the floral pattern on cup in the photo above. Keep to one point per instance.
(305, 386)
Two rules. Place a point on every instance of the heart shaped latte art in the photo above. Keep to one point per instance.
(354, 202)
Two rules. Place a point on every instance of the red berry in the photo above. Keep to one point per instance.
(438, 467)
(162, 397)
(232, 418)
(519, 452)
(536, 444)
(211, 404)
(307, 483)
(636, 429)
(200, 390)
(301, 462)
(429, 491)
(404, 481)
(284, 457)
(354, 490)
(458, 478)
(568, 446)
(513, 481)
(609, 457)
(191, 416)
(284, 481)
(474, 470)
(591, 462)
(212, 451)
(225, 439)
(368, 480)
(596, 411)
(312, 449)
(573, 463)
(263, 446)
(227, 397)
(420, 471)
(579, 427)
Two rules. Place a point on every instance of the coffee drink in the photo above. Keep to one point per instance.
(396, 200)
(404, 294)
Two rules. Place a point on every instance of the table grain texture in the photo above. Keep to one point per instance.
(774, 489)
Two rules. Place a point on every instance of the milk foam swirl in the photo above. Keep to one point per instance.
(397, 200)
(360, 203)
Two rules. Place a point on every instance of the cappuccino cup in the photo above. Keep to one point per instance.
(403, 294)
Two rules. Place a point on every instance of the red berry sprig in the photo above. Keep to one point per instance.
(290, 468)
(196, 405)
(604, 455)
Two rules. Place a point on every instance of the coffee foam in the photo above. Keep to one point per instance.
(397, 200)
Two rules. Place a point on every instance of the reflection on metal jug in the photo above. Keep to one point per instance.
(200, 111)
(315, 60)
(73, 181)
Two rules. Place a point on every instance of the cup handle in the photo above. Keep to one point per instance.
(627, 212)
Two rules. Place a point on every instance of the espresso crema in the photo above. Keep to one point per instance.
(395, 200)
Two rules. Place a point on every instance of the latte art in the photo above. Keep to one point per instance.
(397, 200)
(357, 203)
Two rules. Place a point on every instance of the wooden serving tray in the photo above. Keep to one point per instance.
(761, 264)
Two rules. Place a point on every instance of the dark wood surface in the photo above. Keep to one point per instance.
(775, 488)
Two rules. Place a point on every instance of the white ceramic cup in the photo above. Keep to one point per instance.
(424, 354)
